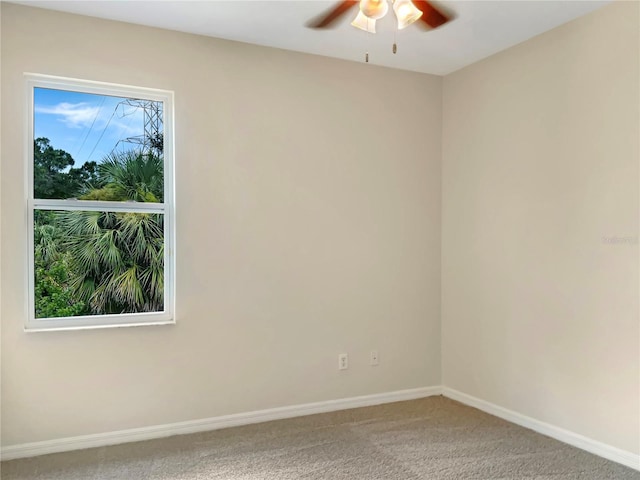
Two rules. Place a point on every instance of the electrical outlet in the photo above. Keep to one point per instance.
(374, 359)
(343, 361)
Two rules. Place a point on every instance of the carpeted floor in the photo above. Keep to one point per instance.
(432, 438)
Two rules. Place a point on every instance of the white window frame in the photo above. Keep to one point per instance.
(167, 208)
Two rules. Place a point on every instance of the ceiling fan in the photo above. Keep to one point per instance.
(406, 11)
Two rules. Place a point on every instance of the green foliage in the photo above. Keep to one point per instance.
(108, 193)
(157, 143)
(117, 258)
(133, 176)
(46, 238)
(54, 296)
(51, 179)
(53, 293)
(91, 262)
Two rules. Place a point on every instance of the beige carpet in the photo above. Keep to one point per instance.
(432, 438)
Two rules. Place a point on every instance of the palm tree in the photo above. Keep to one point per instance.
(118, 258)
(130, 175)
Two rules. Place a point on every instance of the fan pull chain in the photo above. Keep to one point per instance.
(366, 55)
(395, 45)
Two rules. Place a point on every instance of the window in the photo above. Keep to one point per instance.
(100, 204)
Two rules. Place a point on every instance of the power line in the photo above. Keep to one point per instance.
(103, 132)
(92, 124)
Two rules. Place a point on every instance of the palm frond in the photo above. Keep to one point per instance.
(137, 176)
(117, 259)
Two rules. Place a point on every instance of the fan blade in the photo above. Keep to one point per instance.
(331, 16)
(431, 15)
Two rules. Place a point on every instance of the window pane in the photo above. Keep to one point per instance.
(97, 147)
(97, 263)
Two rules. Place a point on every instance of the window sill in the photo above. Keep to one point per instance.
(59, 328)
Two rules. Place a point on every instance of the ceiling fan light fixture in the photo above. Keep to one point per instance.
(374, 9)
(406, 13)
(364, 23)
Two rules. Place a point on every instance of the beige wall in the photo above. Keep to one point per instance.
(292, 249)
(540, 162)
(308, 224)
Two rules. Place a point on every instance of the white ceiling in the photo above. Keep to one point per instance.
(481, 28)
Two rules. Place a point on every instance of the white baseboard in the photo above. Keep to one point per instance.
(593, 446)
(205, 424)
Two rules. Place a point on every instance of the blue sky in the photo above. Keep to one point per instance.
(86, 125)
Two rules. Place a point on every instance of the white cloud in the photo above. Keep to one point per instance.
(74, 115)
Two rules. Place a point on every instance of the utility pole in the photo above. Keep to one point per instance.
(151, 141)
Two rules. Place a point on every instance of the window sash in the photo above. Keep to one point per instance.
(98, 206)
(166, 316)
